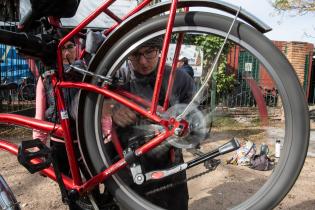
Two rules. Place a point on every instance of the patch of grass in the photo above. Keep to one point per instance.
(255, 121)
(7, 131)
(224, 122)
(15, 107)
(243, 128)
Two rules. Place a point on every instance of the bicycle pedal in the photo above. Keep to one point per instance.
(40, 150)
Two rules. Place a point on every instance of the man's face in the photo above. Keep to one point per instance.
(68, 53)
(180, 64)
(145, 60)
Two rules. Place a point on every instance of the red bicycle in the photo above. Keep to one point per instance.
(203, 132)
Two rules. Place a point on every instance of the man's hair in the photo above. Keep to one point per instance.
(184, 60)
(155, 42)
(63, 32)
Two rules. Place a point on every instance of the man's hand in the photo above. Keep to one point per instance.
(123, 116)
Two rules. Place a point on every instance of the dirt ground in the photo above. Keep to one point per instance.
(228, 183)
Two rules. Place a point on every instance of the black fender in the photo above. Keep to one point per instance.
(142, 16)
(160, 8)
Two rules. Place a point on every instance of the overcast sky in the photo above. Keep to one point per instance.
(286, 27)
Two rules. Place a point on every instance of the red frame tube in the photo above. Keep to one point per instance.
(108, 93)
(179, 43)
(65, 124)
(122, 163)
(82, 54)
(173, 71)
(113, 16)
(137, 99)
(116, 143)
(32, 123)
(160, 73)
(102, 176)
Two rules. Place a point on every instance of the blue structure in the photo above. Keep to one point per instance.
(12, 66)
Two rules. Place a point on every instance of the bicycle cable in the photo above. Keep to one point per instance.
(55, 112)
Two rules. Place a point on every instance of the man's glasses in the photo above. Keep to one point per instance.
(68, 47)
(148, 54)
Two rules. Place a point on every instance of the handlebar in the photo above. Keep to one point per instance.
(20, 40)
(28, 44)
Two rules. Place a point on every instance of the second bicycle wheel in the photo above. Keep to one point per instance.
(28, 92)
(233, 105)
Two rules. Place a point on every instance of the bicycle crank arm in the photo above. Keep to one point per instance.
(230, 146)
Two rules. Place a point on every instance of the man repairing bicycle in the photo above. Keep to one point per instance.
(143, 63)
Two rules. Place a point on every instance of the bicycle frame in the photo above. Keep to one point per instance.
(63, 129)
(123, 97)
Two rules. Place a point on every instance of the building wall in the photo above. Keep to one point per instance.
(232, 60)
(265, 80)
(299, 55)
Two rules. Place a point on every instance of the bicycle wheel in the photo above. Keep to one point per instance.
(28, 92)
(228, 186)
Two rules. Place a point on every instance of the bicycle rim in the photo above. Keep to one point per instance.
(229, 117)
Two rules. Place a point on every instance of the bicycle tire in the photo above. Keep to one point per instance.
(7, 198)
(312, 114)
(296, 123)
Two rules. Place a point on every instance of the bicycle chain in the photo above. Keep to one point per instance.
(168, 186)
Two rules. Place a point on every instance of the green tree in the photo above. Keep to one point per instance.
(225, 83)
(210, 45)
(299, 6)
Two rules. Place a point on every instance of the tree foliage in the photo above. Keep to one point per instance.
(225, 83)
(210, 46)
(299, 6)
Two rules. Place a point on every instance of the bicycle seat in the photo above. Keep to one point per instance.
(46, 8)
(57, 8)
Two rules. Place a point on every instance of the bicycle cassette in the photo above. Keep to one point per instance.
(198, 130)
